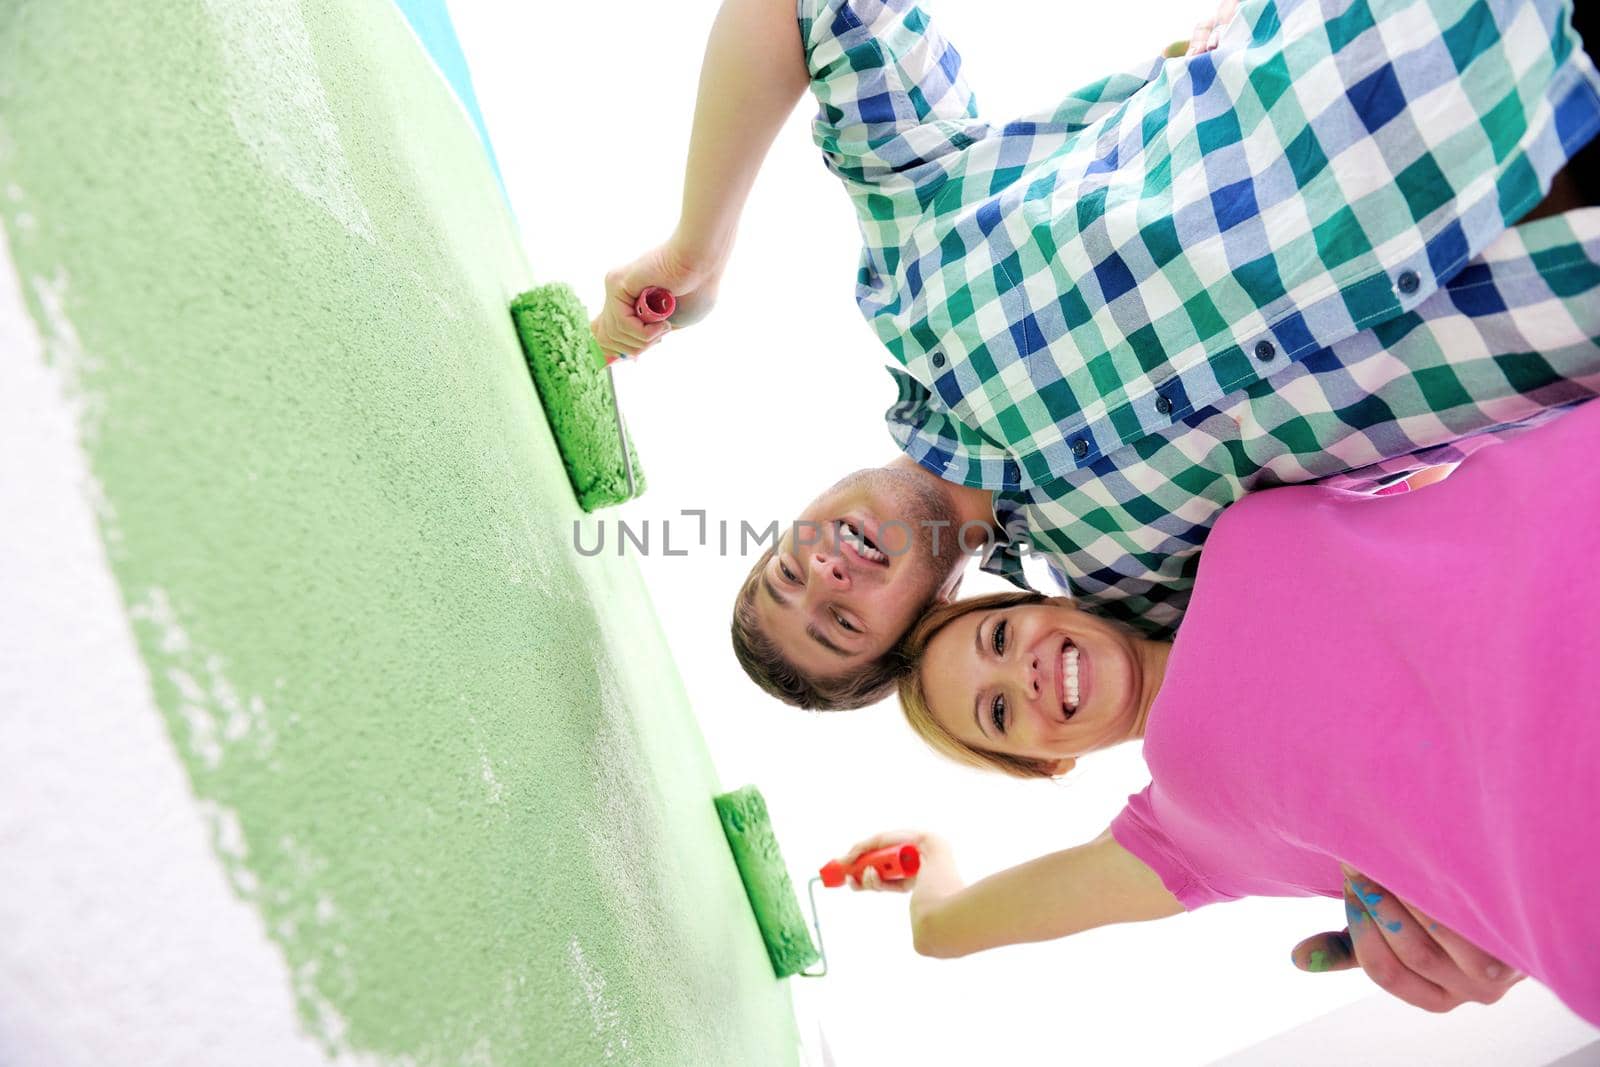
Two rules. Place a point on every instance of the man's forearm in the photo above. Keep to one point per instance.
(754, 72)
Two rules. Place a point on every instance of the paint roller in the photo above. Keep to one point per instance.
(578, 391)
(773, 901)
(654, 305)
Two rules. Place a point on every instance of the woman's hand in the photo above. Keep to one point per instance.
(1406, 953)
(938, 862)
(691, 280)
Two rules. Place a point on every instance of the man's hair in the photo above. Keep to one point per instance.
(914, 696)
(764, 662)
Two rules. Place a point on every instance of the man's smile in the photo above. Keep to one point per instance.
(861, 546)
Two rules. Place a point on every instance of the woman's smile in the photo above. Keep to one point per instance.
(1042, 681)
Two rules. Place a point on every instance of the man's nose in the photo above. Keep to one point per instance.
(830, 569)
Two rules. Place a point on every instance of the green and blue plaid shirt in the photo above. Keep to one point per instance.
(1074, 299)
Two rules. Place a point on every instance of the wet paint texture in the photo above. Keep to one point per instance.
(766, 880)
(577, 395)
(448, 760)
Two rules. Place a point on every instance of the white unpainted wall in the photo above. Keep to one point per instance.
(121, 941)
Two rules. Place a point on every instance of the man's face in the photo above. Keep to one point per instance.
(856, 569)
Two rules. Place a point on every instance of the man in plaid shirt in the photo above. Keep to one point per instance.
(1290, 258)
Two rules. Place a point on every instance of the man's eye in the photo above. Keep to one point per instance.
(844, 623)
(788, 575)
(997, 713)
(997, 638)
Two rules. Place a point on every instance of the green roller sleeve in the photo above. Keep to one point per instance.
(766, 881)
(569, 372)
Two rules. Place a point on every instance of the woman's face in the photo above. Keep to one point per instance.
(1042, 680)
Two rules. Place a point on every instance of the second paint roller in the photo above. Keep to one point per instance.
(773, 901)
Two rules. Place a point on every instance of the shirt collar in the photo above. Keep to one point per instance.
(1004, 556)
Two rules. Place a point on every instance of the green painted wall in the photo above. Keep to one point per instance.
(447, 759)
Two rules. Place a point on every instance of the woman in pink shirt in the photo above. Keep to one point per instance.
(1409, 684)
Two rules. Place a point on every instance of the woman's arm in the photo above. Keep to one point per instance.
(1063, 893)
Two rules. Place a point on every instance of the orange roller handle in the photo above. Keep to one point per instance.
(892, 862)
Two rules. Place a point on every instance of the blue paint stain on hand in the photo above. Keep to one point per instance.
(1370, 899)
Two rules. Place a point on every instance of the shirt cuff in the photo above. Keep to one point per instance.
(931, 435)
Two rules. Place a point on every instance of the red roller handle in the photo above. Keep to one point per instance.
(892, 862)
(655, 304)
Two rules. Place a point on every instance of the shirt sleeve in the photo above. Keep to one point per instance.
(926, 431)
(1137, 830)
(895, 109)
(891, 96)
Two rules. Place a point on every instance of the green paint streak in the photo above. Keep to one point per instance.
(474, 807)
(1319, 962)
(766, 880)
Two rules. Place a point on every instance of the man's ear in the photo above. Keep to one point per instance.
(1061, 766)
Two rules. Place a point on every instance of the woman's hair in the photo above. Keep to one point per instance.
(914, 698)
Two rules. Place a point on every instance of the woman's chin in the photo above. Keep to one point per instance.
(1109, 700)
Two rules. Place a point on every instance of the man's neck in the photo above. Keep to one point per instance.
(971, 505)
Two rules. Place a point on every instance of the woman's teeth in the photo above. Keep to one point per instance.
(862, 543)
(1069, 671)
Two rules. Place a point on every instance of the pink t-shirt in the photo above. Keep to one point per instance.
(1410, 684)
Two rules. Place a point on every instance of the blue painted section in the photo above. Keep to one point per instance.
(430, 20)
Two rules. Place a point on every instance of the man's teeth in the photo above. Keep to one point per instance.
(1069, 671)
(862, 543)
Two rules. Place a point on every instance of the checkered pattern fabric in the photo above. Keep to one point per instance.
(1068, 283)
(1505, 344)
(1216, 274)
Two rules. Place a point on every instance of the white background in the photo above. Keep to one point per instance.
(751, 413)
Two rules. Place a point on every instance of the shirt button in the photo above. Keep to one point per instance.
(938, 359)
(1080, 448)
(1163, 405)
(1012, 472)
(1408, 282)
(1265, 350)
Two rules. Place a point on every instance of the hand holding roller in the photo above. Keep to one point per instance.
(892, 864)
(743, 814)
(654, 305)
(579, 399)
